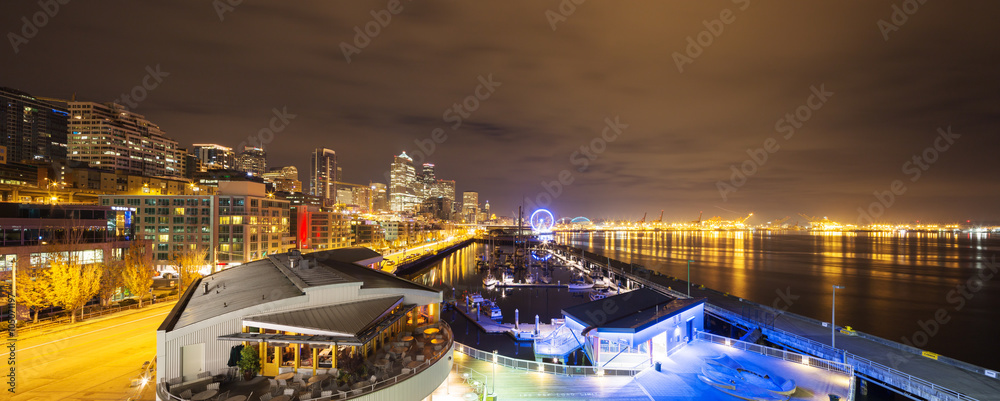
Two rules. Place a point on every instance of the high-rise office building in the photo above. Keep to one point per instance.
(470, 206)
(215, 157)
(323, 175)
(403, 185)
(379, 197)
(32, 129)
(108, 136)
(252, 160)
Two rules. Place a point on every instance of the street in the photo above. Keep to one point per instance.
(96, 361)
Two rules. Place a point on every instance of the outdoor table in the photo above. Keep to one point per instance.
(408, 338)
(414, 364)
(431, 331)
(318, 378)
(204, 395)
(285, 376)
(382, 364)
(237, 398)
(437, 341)
(282, 397)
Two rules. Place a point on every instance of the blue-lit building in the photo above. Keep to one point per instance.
(633, 329)
(33, 234)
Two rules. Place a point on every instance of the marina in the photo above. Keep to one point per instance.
(727, 310)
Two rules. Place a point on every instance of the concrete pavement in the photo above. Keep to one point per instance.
(94, 361)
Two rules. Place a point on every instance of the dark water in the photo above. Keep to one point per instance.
(894, 283)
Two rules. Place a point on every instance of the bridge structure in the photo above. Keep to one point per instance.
(912, 372)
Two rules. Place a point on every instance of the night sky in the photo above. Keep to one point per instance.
(894, 85)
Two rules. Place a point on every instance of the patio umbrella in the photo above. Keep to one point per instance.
(234, 355)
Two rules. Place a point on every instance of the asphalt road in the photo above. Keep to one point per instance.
(93, 361)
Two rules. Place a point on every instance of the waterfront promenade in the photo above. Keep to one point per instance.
(881, 360)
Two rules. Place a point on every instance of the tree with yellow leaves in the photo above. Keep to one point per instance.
(33, 289)
(137, 270)
(73, 284)
(189, 264)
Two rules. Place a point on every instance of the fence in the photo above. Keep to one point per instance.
(893, 378)
(96, 311)
(824, 364)
(543, 367)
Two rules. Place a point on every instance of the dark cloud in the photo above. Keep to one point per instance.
(605, 60)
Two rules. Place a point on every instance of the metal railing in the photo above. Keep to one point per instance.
(543, 367)
(63, 317)
(891, 377)
(793, 357)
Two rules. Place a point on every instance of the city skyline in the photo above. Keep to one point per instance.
(659, 123)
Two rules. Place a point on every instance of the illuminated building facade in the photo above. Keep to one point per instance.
(252, 160)
(31, 129)
(323, 175)
(403, 185)
(107, 136)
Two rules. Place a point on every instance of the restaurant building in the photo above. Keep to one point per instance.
(316, 313)
(632, 329)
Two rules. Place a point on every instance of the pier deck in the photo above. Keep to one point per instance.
(881, 360)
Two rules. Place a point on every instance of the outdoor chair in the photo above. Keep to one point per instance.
(326, 393)
(290, 392)
(420, 358)
(186, 394)
(212, 386)
(222, 396)
(283, 382)
(266, 397)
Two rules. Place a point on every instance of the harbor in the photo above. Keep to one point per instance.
(735, 316)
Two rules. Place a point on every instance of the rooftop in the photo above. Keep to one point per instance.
(272, 279)
(633, 310)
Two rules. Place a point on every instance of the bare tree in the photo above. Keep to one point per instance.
(189, 264)
(33, 289)
(138, 270)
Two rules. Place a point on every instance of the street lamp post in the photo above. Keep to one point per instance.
(833, 317)
(689, 277)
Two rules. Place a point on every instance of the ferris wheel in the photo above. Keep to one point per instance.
(541, 220)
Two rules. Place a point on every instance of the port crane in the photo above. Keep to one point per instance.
(643, 218)
(743, 220)
(699, 218)
(659, 219)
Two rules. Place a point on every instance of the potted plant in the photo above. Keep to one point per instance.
(249, 362)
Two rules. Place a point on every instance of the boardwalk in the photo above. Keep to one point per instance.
(963, 381)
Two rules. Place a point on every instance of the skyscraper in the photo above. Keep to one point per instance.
(380, 199)
(470, 206)
(323, 175)
(215, 157)
(403, 193)
(31, 129)
(108, 136)
(252, 160)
